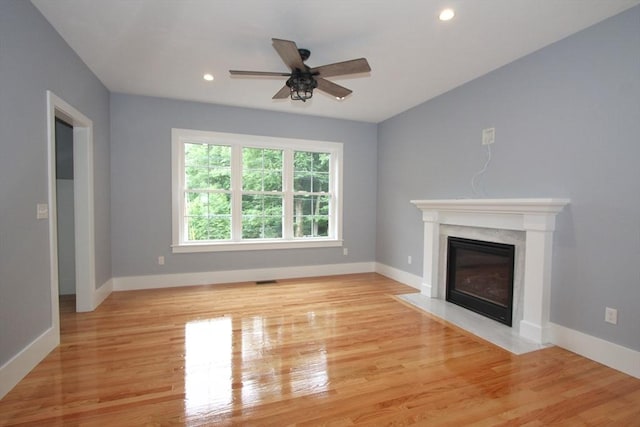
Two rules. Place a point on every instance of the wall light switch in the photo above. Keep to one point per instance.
(42, 211)
(160, 260)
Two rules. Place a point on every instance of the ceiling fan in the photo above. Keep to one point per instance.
(304, 79)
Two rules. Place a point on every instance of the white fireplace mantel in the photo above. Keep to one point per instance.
(536, 217)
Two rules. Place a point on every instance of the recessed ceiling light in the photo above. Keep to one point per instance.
(447, 15)
(340, 98)
(208, 77)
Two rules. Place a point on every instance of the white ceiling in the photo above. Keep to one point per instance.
(163, 47)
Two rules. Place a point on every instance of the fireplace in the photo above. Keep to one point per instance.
(480, 277)
(535, 218)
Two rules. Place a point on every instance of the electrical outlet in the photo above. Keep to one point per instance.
(345, 251)
(409, 259)
(160, 260)
(611, 315)
(488, 136)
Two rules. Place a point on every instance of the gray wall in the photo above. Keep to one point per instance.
(567, 122)
(66, 237)
(34, 58)
(141, 183)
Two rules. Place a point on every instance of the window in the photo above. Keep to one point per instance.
(243, 192)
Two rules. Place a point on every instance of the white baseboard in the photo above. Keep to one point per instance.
(22, 363)
(399, 275)
(102, 293)
(233, 276)
(612, 355)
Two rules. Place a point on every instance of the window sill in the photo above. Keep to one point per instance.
(253, 246)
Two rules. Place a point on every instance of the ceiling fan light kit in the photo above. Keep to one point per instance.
(303, 79)
(301, 85)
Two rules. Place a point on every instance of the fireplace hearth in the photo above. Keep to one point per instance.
(480, 277)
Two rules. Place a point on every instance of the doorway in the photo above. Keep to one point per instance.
(83, 209)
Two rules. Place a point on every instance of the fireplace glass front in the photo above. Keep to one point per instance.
(480, 277)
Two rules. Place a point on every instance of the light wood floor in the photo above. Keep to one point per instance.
(325, 351)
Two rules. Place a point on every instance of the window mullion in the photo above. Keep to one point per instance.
(287, 178)
(236, 192)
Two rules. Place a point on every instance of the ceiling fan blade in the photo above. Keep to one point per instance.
(353, 66)
(288, 51)
(258, 73)
(282, 93)
(332, 88)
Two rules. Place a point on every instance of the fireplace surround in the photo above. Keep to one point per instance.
(535, 218)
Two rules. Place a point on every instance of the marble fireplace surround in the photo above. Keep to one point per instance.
(534, 217)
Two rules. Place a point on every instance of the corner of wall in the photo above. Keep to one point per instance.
(399, 275)
(12, 372)
(102, 293)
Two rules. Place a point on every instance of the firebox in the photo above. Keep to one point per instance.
(480, 277)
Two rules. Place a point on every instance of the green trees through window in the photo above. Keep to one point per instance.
(261, 193)
(208, 191)
(263, 184)
(311, 183)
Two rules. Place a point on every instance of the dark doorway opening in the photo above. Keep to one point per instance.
(480, 277)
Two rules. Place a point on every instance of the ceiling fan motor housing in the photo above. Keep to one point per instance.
(304, 54)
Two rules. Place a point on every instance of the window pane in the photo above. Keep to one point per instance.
(220, 179)
(302, 161)
(207, 166)
(196, 154)
(207, 204)
(261, 216)
(261, 205)
(208, 228)
(207, 155)
(252, 158)
(206, 178)
(219, 156)
(272, 181)
(196, 177)
(252, 180)
(320, 182)
(208, 216)
(311, 171)
(261, 181)
(261, 169)
(302, 181)
(311, 216)
(261, 228)
(321, 162)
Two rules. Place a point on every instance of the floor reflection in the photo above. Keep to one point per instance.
(208, 364)
(239, 362)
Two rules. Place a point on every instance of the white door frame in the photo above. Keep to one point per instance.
(83, 205)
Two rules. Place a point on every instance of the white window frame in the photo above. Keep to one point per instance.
(237, 141)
